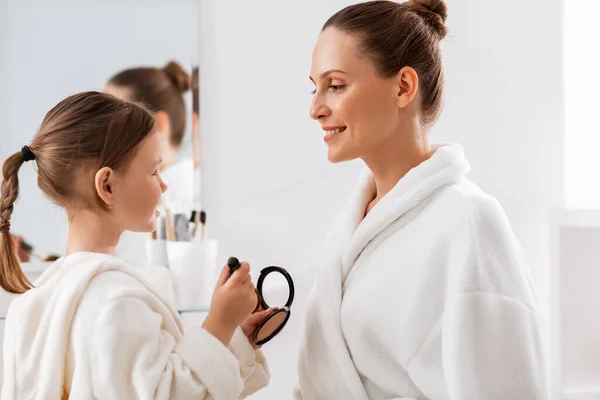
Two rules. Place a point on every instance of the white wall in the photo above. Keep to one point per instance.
(582, 84)
(53, 49)
(270, 193)
(3, 56)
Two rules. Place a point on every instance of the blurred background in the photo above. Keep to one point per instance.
(521, 97)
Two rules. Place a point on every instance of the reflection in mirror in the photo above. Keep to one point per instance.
(199, 214)
(275, 290)
(50, 51)
(195, 83)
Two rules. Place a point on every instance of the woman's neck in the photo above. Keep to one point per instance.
(91, 232)
(395, 158)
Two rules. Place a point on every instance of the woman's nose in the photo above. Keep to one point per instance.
(318, 108)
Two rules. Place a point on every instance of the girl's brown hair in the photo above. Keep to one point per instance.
(86, 130)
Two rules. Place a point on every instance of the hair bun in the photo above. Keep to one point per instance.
(177, 75)
(434, 13)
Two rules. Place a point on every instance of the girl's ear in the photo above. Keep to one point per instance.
(103, 184)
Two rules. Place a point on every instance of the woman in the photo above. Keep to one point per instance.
(93, 327)
(424, 292)
(161, 90)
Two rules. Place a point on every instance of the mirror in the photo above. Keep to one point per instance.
(52, 50)
(275, 290)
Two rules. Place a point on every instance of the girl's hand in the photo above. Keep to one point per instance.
(252, 322)
(233, 300)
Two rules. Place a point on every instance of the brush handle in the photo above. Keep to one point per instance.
(169, 226)
(196, 219)
(233, 264)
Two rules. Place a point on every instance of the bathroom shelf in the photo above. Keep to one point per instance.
(201, 310)
(592, 394)
(194, 310)
(574, 314)
(575, 218)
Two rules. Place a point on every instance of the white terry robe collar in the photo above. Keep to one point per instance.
(326, 369)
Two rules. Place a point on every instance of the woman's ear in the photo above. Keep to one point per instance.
(103, 182)
(407, 83)
(162, 124)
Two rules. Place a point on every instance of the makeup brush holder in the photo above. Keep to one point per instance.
(156, 252)
(192, 265)
(156, 269)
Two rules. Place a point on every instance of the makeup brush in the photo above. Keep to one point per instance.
(203, 222)
(233, 263)
(37, 253)
(170, 232)
(169, 226)
(196, 220)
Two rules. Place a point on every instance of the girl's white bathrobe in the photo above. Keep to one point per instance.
(94, 328)
(427, 297)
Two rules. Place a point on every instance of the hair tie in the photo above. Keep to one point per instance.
(4, 226)
(27, 154)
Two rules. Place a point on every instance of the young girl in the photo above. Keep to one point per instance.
(161, 90)
(425, 291)
(92, 327)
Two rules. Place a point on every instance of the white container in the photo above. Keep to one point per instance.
(156, 252)
(156, 270)
(192, 265)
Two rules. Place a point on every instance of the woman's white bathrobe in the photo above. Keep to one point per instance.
(94, 328)
(428, 297)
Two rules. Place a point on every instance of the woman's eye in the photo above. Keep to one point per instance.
(334, 88)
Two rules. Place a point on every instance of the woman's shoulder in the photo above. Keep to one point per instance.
(475, 205)
(464, 210)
